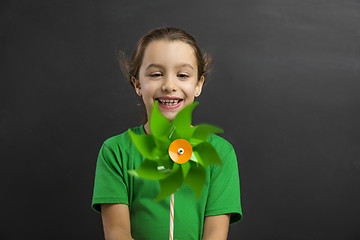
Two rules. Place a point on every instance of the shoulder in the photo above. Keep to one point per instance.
(122, 139)
(222, 146)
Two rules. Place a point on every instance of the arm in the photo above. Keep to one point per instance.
(216, 227)
(116, 221)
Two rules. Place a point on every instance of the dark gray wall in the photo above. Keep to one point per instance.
(285, 88)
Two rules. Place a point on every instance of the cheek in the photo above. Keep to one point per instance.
(190, 92)
(192, 88)
(149, 90)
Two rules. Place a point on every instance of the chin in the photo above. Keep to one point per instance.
(169, 116)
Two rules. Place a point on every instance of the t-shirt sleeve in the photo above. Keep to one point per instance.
(224, 192)
(109, 185)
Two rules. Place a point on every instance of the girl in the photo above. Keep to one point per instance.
(167, 66)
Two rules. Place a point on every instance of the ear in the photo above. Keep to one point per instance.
(199, 86)
(136, 84)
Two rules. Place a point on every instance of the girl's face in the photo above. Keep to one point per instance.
(168, 73)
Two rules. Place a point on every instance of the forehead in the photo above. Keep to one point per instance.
(169, 53)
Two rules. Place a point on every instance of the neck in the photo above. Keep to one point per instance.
(147, 128)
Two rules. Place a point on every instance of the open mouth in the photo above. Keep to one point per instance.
(169, 102)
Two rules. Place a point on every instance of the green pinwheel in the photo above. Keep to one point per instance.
(175, 152)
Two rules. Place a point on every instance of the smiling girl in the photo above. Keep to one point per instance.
(167, 66)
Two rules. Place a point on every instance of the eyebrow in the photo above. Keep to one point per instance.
(161, 66)
(153, 65)
(185, 65)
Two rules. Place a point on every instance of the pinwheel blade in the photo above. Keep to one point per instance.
(182, 121)
(195, 178)
(196, 158)
(206, 154)
(150, 169)
(166, 163)
(203, 131)
(162, 143)
(185, 168)
(160, 126)
(170, 184)
(145, 144)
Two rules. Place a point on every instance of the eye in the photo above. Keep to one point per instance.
(155, 75)
(183, 75)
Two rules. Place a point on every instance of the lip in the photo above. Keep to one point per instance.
(169, 98)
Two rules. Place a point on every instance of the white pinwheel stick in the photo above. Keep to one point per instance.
(171, 231)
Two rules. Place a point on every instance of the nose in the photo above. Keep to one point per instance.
(169, 84)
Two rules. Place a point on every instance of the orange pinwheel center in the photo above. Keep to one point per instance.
(180, 151)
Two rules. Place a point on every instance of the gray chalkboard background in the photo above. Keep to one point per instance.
(285, 87)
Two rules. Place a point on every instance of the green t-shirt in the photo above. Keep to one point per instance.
(150, 219)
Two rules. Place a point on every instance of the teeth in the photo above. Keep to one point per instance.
(169, 101)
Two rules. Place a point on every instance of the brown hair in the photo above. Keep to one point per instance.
(131, 68)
